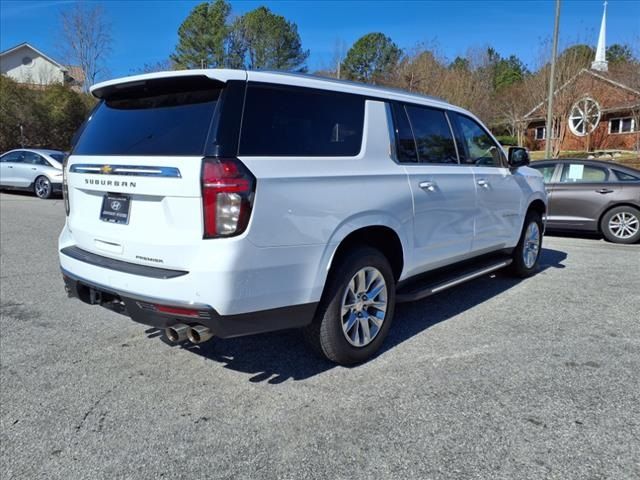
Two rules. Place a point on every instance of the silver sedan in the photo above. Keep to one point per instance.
(37, 170)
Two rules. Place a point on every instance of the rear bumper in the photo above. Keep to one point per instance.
(145, 310)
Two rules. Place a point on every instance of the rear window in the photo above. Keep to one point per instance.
(150, 121)
(292, 121)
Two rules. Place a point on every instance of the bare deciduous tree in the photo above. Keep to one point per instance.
(86, 40)
(160, 66)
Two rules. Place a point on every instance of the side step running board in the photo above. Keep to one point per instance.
(430, 286)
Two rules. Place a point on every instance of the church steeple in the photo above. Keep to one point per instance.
(600, 62)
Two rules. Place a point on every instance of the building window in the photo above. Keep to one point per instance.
(622, 125)
(27, 61)
(541, 132)
(584, 117)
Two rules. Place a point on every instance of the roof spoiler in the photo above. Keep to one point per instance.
(173, 81)
(159, 86)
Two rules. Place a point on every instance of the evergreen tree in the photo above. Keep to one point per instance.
(261, 39)
(371, 59)
(618, 53)
(203, 36)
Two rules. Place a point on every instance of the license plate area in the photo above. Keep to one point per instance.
(115, 208)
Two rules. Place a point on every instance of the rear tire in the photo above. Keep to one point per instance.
(356, 309)
(42, 187)
(526, 255)
(621, 225)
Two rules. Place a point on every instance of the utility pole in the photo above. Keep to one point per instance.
(554, 53)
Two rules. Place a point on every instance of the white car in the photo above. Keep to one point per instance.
(226, 203)
(37, 170)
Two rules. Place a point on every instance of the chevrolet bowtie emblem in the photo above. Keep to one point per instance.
(106, 169)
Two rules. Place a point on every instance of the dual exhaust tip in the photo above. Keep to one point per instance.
(194, 333)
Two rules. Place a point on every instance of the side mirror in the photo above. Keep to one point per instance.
(518, 157)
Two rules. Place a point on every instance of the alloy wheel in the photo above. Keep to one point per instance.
(624, 225)
(364, 306)
(43, 187)
(531, 246)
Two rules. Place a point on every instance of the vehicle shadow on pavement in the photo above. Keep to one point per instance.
(277, 357)
(410, 317)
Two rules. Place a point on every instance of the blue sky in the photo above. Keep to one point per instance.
(146, 31)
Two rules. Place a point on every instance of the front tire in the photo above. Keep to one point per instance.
(356, 310)
(42, 187)
(621, 225)
(526, 255)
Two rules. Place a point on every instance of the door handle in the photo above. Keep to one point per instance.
(483, 183)
(428, 186)
(33, 168)
(9, 166)
(604, 190)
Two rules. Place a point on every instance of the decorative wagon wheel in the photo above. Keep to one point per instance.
(584, 117)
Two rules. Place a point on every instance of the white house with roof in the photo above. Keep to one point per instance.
(29, 66)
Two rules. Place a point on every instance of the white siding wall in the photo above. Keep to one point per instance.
(40, 72)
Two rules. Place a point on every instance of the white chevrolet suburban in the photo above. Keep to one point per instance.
(227, 203)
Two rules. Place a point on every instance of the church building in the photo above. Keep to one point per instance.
(592, 111)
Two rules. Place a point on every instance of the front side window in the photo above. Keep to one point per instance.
(546, 171)
(13, 157)
(480, 148)
(581, 173)
(434, 140)
(152, 122)
(540, 133)
(293, 121)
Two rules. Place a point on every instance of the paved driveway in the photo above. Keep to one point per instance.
(495, 379)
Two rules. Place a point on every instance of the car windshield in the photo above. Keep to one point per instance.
(59, 157)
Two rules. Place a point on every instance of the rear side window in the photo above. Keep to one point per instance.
(405, 143)
(150, 123)
(434, 139)
(625, 177)
(292, 121)
(580, 173)
(34, 159)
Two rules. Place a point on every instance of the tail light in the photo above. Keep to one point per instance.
(227, 196)
(65, 187)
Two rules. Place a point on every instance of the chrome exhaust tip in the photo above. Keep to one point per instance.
(199, 334)
(177, 333)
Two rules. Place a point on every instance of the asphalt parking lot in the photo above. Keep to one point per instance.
(496, 379)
